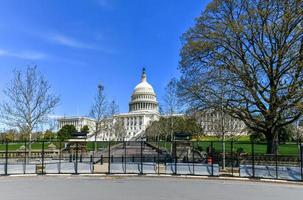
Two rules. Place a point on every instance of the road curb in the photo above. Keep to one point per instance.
(162, 176)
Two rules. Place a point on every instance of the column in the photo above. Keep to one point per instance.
(138, 121)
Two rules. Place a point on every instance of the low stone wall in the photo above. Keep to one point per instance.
(34, 153)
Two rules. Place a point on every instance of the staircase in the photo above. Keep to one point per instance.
(131, 152)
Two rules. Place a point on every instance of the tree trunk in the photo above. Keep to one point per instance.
(271, 144)
(30, 144)
(95, 143)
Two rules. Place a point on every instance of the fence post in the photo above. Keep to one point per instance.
(276, 162)
(212, 157)
(76, 164)
(158, 157)
(193, 156)
(176, 158)
(42, 154)
(60, 156)
(125, 154)
(253, 158)
(165, 162)
(141, 154)
(301, 159)
(109, 161)
(122, 160)
(25, 161)
(6, 157)
(94, 154)
(92, 164)
(232, 156)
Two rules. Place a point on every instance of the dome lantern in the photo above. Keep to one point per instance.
(143, 77)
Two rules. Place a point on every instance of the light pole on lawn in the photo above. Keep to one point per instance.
(222, 116)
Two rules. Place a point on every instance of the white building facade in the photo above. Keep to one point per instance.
(213, 124)
(78, 122)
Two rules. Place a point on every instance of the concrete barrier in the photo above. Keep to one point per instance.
(261, 171)
(192, 169)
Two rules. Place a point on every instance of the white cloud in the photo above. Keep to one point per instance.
(28, 55)
(3, 52)
(68, 41)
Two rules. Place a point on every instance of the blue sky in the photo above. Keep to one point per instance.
(79, 43)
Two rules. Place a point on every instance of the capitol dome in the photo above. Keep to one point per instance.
(144, 97)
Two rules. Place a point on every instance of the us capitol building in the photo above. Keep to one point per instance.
(143, 109)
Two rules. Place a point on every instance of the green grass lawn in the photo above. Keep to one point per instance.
(284, 149)
(244, 138)
(243, 142)
(90, 146)
(15, 146)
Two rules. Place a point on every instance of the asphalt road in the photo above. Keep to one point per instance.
(141, 188)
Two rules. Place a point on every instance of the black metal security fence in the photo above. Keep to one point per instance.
(207, 158)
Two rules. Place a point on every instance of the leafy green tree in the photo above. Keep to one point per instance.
(66, 132)
(285, 134)
(49, 135)
(247, 56)
(85, 129)
(9, 135)
(22, 136)
(256, 137)
(183, 124)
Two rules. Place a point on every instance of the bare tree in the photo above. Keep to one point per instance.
(116, 127)
(28, 102)
(171, 104)
(119, 129)
(98, 112)
(256, 49)
(113, 109)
